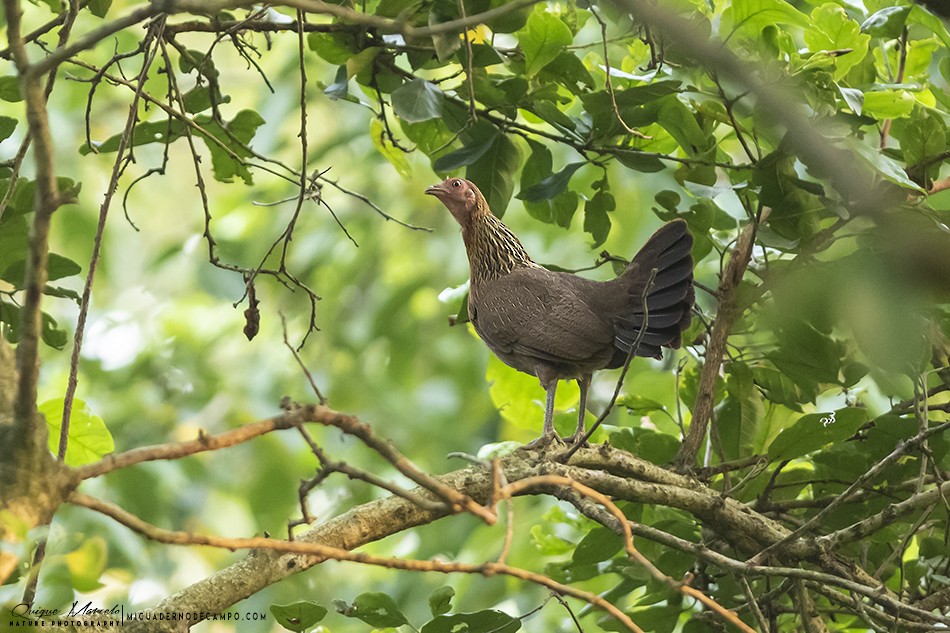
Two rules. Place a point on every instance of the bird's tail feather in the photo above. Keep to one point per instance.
(670, 298)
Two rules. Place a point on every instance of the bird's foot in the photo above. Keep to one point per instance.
(544, 441)
(577, 437)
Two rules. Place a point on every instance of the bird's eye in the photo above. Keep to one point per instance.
(456, 183)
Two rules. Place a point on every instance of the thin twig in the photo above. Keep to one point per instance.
(634, 348)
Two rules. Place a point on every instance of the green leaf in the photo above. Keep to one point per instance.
(298, 616)
(598, 545)
(99, 8)
(542, 39)
(417, 101)
(57, 268)
(887, 23)
(10, 89)
(680, 122)
(831, 29)
(550, 186)
(467, 155)
(488, 621)
(144, 133)
(376, 609)
(854, 98)
(51, 333)
(198, 60)
(440, 600)
(888, 104)
(755, 15)
(335, 48)
(89, 439)
(339, 89)
(237, 132)
(596, 220)
(811, 432)
(493, 173)
(396, 157)
(919, 15)
(7, 126)
(887, 168)
(648, 444)
(924, 136)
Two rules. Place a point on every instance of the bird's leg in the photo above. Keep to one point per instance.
(584, 383)
(548, 434)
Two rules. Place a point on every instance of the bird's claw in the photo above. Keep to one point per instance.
(544, 441)
(577, 437)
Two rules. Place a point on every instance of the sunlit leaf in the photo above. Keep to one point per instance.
(542, 40)
(89, 439)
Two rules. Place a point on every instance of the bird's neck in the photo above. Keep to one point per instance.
(493, 250)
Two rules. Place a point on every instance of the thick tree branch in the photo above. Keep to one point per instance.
(726, 315)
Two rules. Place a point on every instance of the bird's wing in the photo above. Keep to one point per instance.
(542, 314)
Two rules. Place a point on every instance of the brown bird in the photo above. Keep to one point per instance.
(558, 326)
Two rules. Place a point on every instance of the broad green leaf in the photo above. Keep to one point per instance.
(778, 387)
(417, 100)
(235, 135)
(832, 30)
(924, 136)
(887, 23)
(89, 439)
(550, 186)
(488, 621)
(677, 119)
(519, 398)
(374, 608)
(752, 16)
(440, 600)
(648, 444)
(811, 432)
(596, 218)
(7, 126)
(493, 173)
(888, 104)
(396, 157)
(919, 15)
(552, 114)
(542, 39)
(10, 88)
(336, 48)
(144, 133)
(57, 268)
(100, 8)
(465, 156)
(598, 545)
(298, 616)
(887, 168)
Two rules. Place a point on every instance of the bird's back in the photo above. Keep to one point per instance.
(534, 316)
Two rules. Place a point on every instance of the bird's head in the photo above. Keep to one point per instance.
(461, 197)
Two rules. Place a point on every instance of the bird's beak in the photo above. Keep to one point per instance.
(435, 190)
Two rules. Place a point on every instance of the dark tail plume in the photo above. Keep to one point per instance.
(670, 299)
